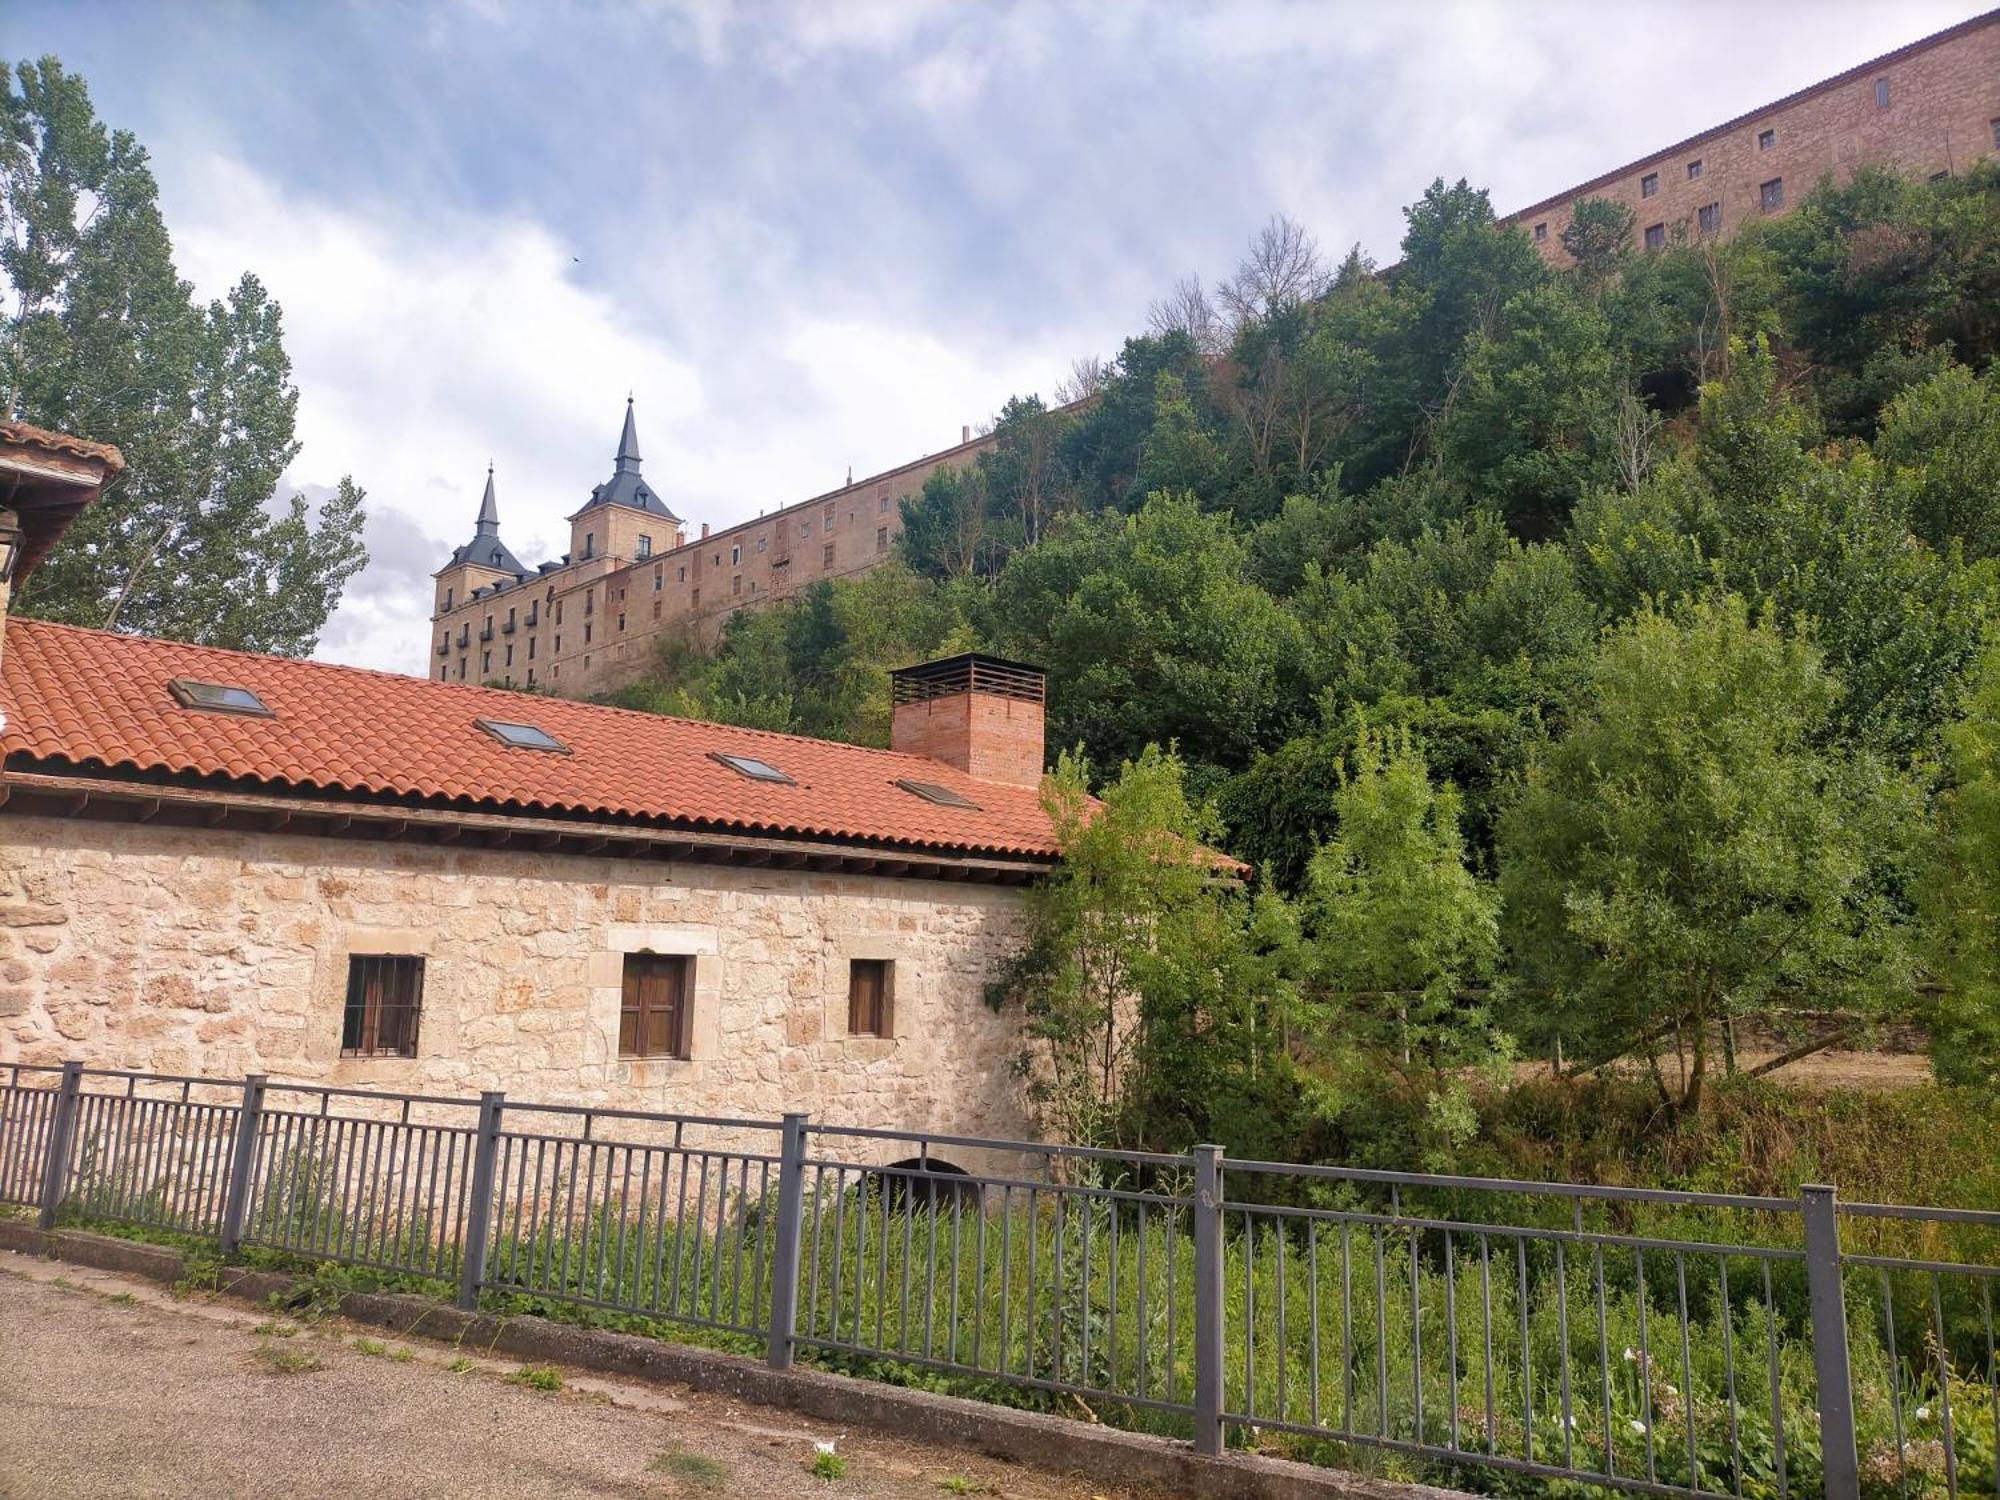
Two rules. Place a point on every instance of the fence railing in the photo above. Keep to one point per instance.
(1670, 1343)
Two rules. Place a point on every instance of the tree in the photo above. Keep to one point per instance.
(1399, 923)
(1961, 898)
(1942, 438)
(1598, 238)
(1282, 269)
(99, 336)
(1692, 851)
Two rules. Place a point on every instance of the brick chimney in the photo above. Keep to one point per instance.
(976, 712)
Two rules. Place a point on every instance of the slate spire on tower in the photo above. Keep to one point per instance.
(625, 486)
(486, 550)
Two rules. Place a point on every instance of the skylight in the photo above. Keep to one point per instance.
(944, 796)
(749, 765)
(522, 736)
(219, 698)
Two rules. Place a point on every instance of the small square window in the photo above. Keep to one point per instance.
(521, 736)
(1772, 195)
(1541, 231)
(1656, 236)
(385, 995)
(869, 985)
(654, 1015)
(749, 765)
(1710, 218)
(1766, 139)
(1694, 169)
(1881, 93)
(1649, 184)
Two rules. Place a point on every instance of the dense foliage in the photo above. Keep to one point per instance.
(1580, 659)
(100, 337)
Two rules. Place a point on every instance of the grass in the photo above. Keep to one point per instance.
(827, 1465)
(374, 1348)
(538, 1378)
(124, 1299)
(958, 1484)
(403, 1355)
(459, 1366)
(693, 1471)
(276, 1329)
(289, 1359)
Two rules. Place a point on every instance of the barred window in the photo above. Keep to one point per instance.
(654, 1014)
(868, 996)
(385, 996)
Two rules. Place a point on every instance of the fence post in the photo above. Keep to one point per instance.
(1208, 1299)
(62, 1139)
(479, 1210)
(236, 1199)
(1838, 1457)
(785, 1253)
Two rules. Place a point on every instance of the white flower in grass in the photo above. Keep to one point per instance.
(1571, 1421)
(1631, 1354)
(826, 1445)
(1923, 1414)
(1638, 1427)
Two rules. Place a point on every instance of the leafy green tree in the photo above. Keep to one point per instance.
(1152, 632)
(1960, 898)
(1399, 922)
(1532, 422)
(1943, 439)
(99, 336)
(1598, 238)
(948, 528)
(1691, 852)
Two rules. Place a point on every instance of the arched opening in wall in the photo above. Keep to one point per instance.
(924, 1184)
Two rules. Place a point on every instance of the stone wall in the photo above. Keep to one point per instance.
(1939, 111)
(213, 952)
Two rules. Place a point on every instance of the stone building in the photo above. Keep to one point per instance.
(218, 862)
(590, 621)
(1928, 109)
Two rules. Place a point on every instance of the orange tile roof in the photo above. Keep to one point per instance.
(93, 698)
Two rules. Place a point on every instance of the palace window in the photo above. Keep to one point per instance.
(1881, 93)
(1656, 236)
(586, 634)
(589, 544)
(1772, 195)
(1766, 139)
(656, 609)
(735, 553)
(681, 574)
(868, 996)
(1649, 184)
(695, 601)
(653, 1012)
(385, 995)
(884, 504)
(736, 584)
(659, 577)
(447, 592)
(1709, 217)
(830, 509)
(762, 541)
(644, 549)
(1541, 231)
(826, 556)
(485, 662)
(621, 623)
(1694, 169)
(881, 539)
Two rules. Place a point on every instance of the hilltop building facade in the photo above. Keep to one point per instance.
(1929, 109)
(590, 621)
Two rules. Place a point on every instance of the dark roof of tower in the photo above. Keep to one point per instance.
(486, 550)
(625, 486)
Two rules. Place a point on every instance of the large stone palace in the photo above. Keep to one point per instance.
(589, 621)
(1929, 109)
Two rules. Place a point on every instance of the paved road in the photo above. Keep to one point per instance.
(110, 1387)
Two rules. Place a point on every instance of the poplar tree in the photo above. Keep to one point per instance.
(99, 336)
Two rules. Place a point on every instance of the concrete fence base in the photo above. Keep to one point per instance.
(1099, 1453)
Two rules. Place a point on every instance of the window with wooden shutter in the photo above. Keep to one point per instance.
(654, 1014)
(868, 997)
(385, 995)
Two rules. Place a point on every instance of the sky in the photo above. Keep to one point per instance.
(817, 237)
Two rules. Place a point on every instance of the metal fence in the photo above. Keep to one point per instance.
(1695, 1344)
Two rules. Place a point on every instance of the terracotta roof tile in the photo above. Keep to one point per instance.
(92, 696)
(62, 442)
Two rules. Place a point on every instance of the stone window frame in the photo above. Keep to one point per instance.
(898, 1001)
(437, 1025)
(1649, 185)
(698, 942)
